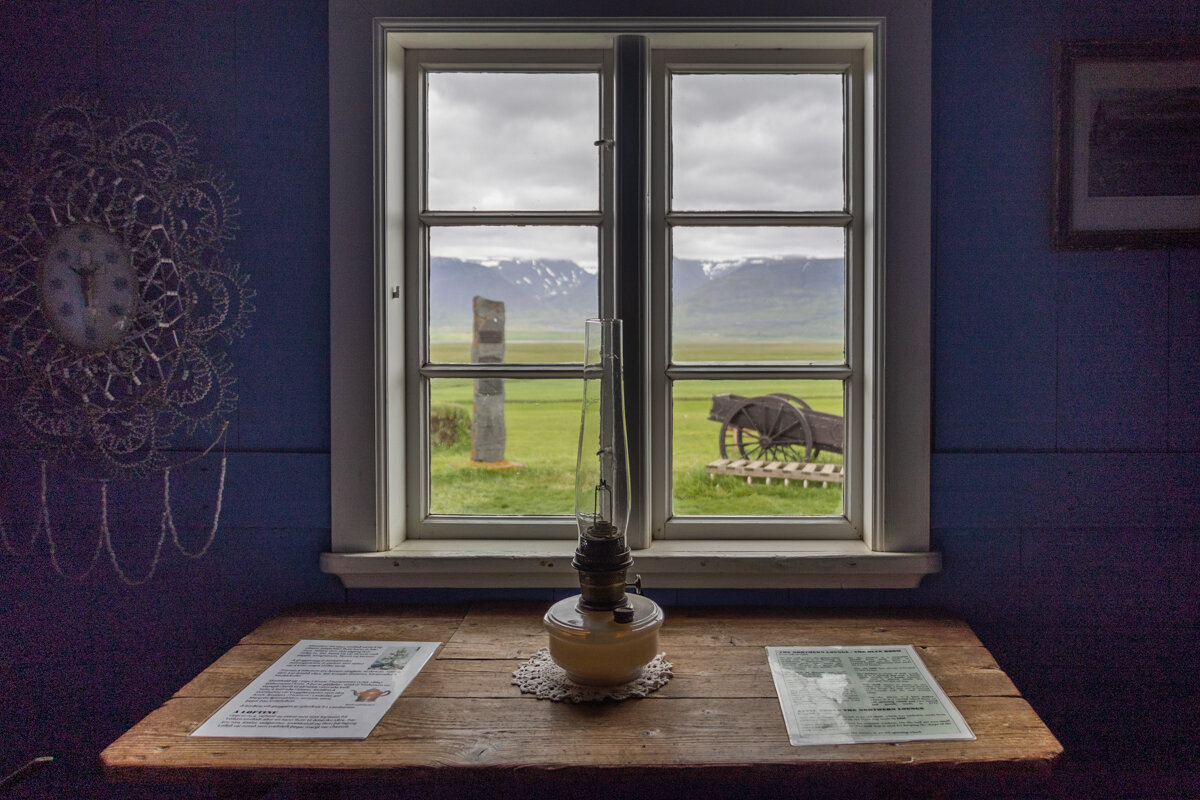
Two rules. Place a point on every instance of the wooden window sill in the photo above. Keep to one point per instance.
(673, 565)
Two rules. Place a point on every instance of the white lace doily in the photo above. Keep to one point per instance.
(542, 677)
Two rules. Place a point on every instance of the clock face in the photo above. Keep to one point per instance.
(88, 287)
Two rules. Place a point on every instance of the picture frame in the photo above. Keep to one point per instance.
(1127, 145)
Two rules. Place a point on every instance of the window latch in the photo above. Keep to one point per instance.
(607, 144)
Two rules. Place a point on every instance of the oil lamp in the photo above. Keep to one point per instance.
(604, 635)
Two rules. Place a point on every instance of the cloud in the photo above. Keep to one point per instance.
(502, 141)
(757, 142)
(513, 141)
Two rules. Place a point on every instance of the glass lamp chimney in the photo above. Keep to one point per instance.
(603, 636)
(602, 472)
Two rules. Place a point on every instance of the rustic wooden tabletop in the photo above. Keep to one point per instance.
(716, 723)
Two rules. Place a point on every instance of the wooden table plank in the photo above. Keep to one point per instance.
(400, 623)
(699, 672)
(514, 631)
(719, 715)
(798, 627)
(524, 732)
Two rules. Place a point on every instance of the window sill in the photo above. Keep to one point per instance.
(674, 565)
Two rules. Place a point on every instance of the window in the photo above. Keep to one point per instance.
(510, 200)
(718, 185)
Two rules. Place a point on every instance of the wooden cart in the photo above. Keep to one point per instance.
(775, 436)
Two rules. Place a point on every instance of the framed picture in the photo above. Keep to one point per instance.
(1127, 136)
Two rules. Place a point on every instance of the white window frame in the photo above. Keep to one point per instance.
(417, 521)
(369, 543)
(765, 55)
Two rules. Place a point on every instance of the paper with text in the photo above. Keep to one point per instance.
(322, 689)
(845, 695)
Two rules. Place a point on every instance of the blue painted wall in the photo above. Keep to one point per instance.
(1066, 398)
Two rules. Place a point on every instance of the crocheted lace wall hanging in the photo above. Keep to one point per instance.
(116, 303)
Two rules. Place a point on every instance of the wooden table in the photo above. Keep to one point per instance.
(715, 729)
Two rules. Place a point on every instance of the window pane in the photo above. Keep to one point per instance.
(758, 294)
(535, 426)
(502, 141)
(726, 424)
(544, 275)
(757, 142)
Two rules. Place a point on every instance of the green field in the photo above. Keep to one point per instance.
(542, 421)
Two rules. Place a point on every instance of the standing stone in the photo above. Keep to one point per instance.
(488, 433)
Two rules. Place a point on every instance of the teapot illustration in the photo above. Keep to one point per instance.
(369, 695)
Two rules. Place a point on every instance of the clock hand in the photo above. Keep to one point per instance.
(87, 276)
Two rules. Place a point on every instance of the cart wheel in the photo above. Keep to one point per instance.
(767, 428)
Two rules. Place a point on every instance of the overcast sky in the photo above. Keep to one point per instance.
(519, 141)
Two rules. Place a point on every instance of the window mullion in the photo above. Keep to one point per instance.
(750, 372)
(658, 293)
(632, 58)
(725, 219)
(411, 460)
(513, 370)
(449, 218)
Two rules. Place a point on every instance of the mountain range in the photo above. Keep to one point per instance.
(793, 296)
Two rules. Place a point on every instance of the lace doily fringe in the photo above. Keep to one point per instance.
(542, 677)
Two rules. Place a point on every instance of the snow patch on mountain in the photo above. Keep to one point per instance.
(793, 295)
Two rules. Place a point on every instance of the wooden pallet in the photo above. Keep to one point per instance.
(789, 471)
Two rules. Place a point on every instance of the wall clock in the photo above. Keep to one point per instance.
(87, 285)
(117, 303)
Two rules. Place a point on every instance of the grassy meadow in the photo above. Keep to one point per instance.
(542, 422)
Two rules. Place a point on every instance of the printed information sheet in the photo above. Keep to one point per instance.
(844, 695)
(322, 689)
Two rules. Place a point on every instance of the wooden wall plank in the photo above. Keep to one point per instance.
(1065, 490)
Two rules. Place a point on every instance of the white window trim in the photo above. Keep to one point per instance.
(666, 60)
(564, 52)
(896, 551)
